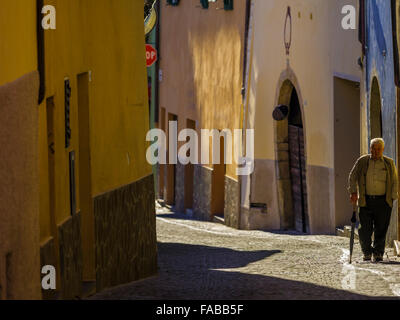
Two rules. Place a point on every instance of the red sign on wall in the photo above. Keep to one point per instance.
(151, 55)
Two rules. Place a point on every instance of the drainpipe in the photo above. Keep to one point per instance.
(246, 37)
(156, 106)
(40, 50)
(245, 84)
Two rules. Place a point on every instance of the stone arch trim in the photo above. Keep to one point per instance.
(286, 83)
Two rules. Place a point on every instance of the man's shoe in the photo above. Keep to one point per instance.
(378, 258)
(367, 257)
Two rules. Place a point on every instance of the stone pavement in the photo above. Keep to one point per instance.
(209, 261)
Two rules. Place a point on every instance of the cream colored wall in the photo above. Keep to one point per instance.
(319, 49)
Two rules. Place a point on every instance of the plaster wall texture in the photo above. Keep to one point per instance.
(320, 50)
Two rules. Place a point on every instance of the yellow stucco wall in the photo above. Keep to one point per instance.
(202, 72)
(18, 39)
(106, 38)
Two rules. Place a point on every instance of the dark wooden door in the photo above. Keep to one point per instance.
(218, 184)
(298, 177)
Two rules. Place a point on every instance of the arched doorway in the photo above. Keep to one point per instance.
(375, 111)
(291, 162)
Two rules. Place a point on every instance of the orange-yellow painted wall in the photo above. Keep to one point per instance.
(201, 60)
(18, 39)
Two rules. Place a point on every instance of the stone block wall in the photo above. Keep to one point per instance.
(47, 257)
(70, 246)
(125, 234)
(232, 203)
(180, 188)
(202, 193)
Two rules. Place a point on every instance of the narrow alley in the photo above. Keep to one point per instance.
(209, 261)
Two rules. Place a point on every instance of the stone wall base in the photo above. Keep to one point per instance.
(180, 188)
(232, 203)
(70, 246)
(125, 234)
(202, 193)
(47, 257)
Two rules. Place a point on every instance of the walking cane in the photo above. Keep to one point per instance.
(353, 227)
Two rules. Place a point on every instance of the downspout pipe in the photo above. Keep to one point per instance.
(40, 50)
(157, 98)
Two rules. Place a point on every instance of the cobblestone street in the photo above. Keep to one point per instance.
(204, 260)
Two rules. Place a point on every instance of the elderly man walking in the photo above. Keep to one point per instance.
(375, 177)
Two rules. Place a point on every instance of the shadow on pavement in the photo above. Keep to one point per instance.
(196, 272)
(203, 258)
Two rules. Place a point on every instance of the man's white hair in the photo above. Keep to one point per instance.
(378, 141)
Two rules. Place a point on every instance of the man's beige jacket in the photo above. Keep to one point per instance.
(358, 177)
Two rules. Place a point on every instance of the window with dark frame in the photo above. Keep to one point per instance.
(204, 4)
(173, 2)
(228, 4)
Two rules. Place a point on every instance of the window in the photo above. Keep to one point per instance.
(173, 2)
(228, 4)
(204, 4)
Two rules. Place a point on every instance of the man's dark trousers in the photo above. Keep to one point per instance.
(375, 217)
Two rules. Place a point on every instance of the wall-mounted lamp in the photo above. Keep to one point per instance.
(280, 112)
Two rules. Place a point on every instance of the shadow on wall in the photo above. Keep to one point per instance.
(187, 272)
